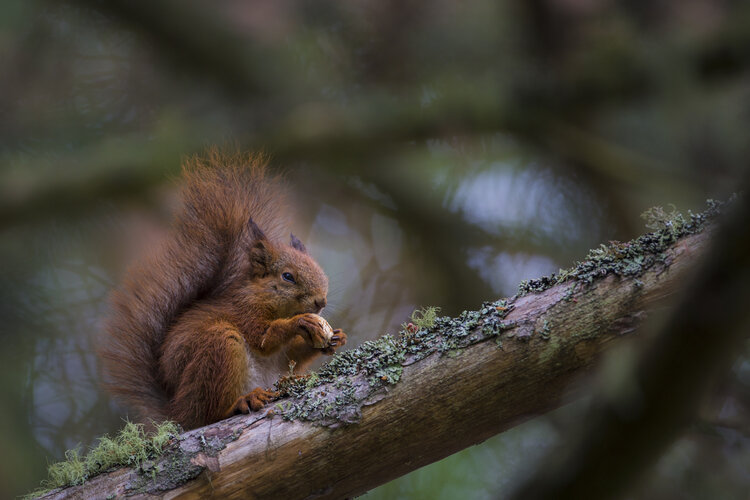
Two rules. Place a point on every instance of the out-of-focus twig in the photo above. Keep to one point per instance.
(194, 37)
(542, 111)
(327, 133)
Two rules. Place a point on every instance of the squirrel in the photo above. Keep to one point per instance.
(199, 330)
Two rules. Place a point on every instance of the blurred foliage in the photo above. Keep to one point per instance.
(439, 153)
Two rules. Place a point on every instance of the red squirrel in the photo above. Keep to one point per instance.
(200, 329)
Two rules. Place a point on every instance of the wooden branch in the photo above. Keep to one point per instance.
(463, 381)
(667, 380)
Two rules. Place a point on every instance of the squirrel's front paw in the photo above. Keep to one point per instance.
(316, 330)
(337, 340)
(254, 400)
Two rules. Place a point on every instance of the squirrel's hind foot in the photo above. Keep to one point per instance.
(255, 400)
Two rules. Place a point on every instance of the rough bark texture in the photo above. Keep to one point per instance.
(664, 384)
(516, 359)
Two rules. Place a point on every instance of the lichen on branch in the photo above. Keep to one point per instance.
(132, 446)
(335, 394)
(634, 257)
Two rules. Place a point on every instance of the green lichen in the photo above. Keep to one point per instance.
(132, 446)
(633, 258)
(551, 348)
(335, 393)
(312, 380)
(176, 470)
(545, 331)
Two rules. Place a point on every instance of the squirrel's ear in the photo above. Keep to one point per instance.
(261, 253)
(296, 243)
(261, 256)
(256, 233)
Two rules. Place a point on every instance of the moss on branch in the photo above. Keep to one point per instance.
(335, 394)
(132, 446)
(632, 258)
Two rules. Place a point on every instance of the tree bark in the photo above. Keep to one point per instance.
(515, 360)
(665, 382)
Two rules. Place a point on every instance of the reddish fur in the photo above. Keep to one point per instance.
(255, 400)
(186, 321)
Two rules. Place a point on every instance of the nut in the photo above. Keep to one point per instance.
(327, 330)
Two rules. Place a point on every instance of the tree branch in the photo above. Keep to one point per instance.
(627, 431)
(419, 398)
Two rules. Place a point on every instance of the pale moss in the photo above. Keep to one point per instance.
(71, 471)
(132, 446)
(634, 257)
(381, 361)
(165, 432)
(424, 318)
(657, 218)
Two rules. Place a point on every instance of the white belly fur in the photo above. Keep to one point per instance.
(263, 371)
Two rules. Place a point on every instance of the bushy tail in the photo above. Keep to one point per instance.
(205, 252)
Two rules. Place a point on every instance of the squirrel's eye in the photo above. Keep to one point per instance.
(288, 277)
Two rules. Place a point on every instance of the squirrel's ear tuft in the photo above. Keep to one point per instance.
(296, 243)
(261, 253)
(255, 232)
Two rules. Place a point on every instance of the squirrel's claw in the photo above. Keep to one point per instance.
(255, 400)
(338, 339)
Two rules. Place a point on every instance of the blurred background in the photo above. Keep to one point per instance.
(439, 152)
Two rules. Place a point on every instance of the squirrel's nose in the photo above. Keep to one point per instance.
(320, 303)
